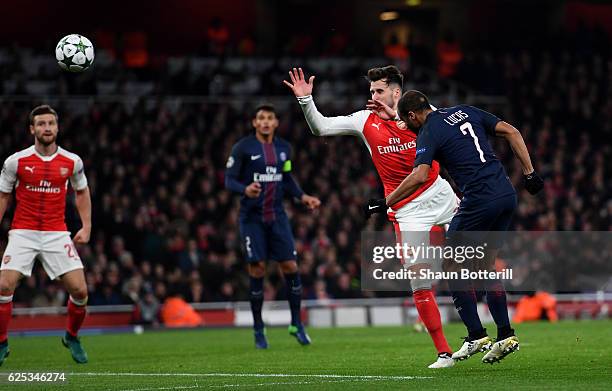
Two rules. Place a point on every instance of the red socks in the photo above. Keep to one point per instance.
(425, 302)
(6, 310)
(76, 316)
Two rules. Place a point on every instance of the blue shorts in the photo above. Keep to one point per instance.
(264, 241)
(492, 216)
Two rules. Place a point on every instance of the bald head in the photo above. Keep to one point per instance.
(413, 108)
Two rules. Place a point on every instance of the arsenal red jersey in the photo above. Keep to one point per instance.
(40, 184)
(393, 150)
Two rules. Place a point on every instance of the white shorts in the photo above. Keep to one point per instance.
(436, 206)
(54, 249)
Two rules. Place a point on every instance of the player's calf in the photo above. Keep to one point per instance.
(77, 311)
(425, 302)
(6, 309)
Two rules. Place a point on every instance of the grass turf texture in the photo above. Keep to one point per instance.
(567, 355)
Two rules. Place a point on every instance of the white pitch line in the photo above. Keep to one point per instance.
(163, 388)
(292, 383)
(289, 375)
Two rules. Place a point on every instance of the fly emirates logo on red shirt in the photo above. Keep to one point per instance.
(43, 187)
(395, 145)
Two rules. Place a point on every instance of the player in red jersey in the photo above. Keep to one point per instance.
(40, 175)
(393, 149)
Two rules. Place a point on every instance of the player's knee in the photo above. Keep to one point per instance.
(79, 294)
(289, 267)
(420, 280)
(419, 284)
(7, 288)
(257, 269)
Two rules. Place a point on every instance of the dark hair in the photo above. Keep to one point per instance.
(389, 74)
(42, 109)
(414, 101)
(269, 107)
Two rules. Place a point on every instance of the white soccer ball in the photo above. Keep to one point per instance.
(74, 53)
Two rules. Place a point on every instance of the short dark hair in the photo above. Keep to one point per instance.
(269, 107)
(42, 109)
(414, 101)
(390, 74)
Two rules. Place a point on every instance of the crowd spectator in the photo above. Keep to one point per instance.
(164, 223)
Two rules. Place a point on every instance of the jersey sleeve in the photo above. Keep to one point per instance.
(426, 147)
(232, 170)
(289, 183)
(8, 177)
(320, 125)
(78, 180)
(489, 121)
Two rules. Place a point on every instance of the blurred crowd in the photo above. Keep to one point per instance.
(164, 225)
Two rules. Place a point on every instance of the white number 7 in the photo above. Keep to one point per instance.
(469, 128)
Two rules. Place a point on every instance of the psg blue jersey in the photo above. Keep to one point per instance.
(269, 164)
(457, 138)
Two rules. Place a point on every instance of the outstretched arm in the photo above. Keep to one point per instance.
(318, 123)
(515, 139)
(533, 183)
(409, 185)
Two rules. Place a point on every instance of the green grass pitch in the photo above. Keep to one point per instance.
(568, 355)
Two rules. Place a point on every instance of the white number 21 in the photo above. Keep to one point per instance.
(469, 128)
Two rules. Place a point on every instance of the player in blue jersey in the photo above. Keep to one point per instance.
(457, 138)
(259, 168)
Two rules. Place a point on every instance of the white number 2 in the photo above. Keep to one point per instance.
(469, 128)
(248, 246)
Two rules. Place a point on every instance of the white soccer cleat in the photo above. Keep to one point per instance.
(469, 348)
(419, 327)
(445, 360)
(501, 349)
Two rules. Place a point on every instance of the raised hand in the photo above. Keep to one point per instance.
(299, 85)
(385, 112)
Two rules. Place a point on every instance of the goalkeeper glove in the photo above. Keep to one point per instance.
(533, 183)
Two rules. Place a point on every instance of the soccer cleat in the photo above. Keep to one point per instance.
(76, 350)
(445, 360)
(469, 348)
(501, 349)
(261, 342)
(300, 334)
(4, 352)
(419, 327)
